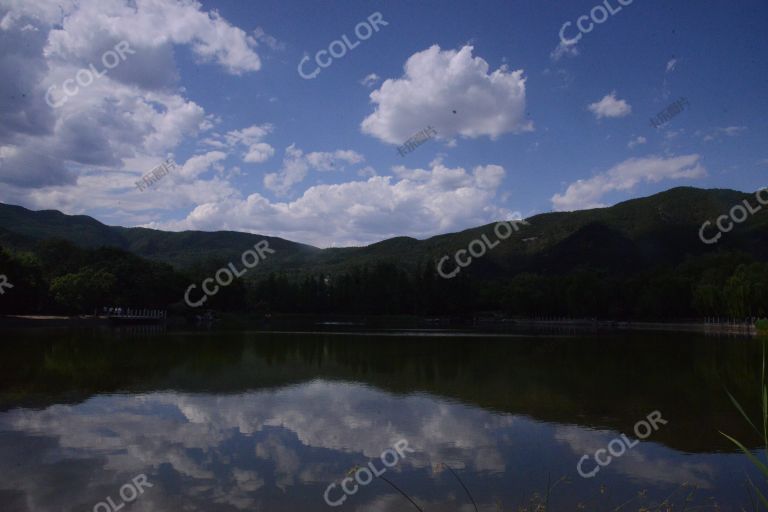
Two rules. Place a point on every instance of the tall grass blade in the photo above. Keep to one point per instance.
(765, 406)
(754, 460)
(462, 484)
(765, 420)
(759, 495)
(402, 492)
(762, 498)
(743, 413)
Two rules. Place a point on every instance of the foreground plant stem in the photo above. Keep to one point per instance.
(462, 484)
(401, 492)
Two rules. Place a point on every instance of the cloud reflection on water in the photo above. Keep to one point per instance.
(279, 449)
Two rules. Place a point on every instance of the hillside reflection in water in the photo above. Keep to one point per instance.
(236, 421)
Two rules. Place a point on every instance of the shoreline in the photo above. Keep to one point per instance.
(375, 322)
(626, 325)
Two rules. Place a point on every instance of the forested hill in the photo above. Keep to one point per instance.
(179, 249)
(656, 229)
(640, 258)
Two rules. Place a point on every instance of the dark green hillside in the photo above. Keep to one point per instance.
(81, 230)
(646, 231)
(638, 259)
(183, 249)
(20, 228)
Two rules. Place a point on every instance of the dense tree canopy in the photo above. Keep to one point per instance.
(58, 277)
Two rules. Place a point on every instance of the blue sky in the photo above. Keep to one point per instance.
(539, 125)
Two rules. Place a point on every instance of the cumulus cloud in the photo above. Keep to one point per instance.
(94, 135)
(251, 139)
(199, 164)
(369, 172)
(123, 121)
(211, 38)
(21, 112)
(87, 154)
(625, 176)
(452, 91)
(323, 161)
(610, 106)
(248, 136)
(260, 152)
(415, 202)
(296, 165)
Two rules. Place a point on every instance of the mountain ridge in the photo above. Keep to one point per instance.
(663, 225)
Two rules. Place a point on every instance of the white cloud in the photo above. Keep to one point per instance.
(266, 39)
(211, 141)
(610, 106)
(637, 141)
(323, 161)
(260, 152)
(369, 80)
(9, 20)
(452, 91)
(369, 172)
(100, 129)
(255, 151)
(296, 165)
(294, 171)
(124, 121)
(88, 154)
(248, 136)
(199, 164)
(151, 24)
(564, 49)
(718, 133)
(625, 176)
(418, 203)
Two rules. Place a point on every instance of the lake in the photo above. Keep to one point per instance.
(142, 419)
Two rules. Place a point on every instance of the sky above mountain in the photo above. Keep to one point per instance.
(290, 118)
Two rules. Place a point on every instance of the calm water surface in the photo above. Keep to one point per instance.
(230, 421)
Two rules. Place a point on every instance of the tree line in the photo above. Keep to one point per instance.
(59, 277)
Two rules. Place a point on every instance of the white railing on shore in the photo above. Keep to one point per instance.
(731, 324)
(134, 313)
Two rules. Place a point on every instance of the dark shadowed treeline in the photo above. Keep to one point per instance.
(58, 277)
(725, 285)
(641, 259)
